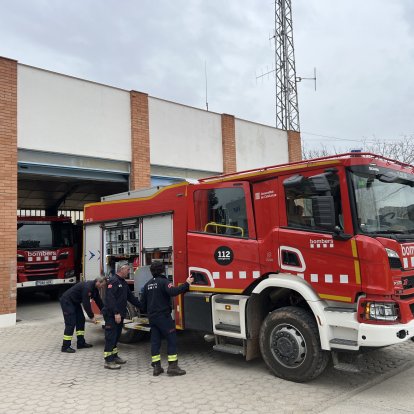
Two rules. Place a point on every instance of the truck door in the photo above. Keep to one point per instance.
(222, 246)
(92, 248)
(308, 247)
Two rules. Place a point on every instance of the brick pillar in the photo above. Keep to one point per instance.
(294, 146)
(8, 190)
(228, 136)
(140, 176)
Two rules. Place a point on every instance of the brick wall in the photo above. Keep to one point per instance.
(8, 185)
(228, 136)
(140, 143)
(294, 146)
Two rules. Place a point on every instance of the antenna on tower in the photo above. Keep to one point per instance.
(300, 79)
(205, 74)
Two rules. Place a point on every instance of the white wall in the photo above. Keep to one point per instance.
(259, 145)
(67, 115)
(184, 137)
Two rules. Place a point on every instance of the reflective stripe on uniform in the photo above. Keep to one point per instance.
(156, 358)
(107, 354)
(172, 358)
(80, 333)
(114, 351)
(67, 337)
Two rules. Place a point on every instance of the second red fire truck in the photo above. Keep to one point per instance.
(46, 254)
(293, 262)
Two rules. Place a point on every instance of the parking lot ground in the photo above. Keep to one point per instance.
(35, 377)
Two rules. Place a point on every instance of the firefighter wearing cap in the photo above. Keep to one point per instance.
(118, 294)
(156, 301)
(71, 301)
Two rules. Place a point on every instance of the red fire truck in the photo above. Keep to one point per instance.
(294, 262)
(45, 254)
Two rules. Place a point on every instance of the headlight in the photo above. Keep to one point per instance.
(378, 311)
(70, 273)
(393, 259)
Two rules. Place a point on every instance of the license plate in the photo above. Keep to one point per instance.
(43, 282)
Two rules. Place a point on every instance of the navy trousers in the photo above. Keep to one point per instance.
(113, 332)
(74, 318)
(163, 326)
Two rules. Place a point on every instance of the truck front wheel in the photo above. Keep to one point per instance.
(290, 345)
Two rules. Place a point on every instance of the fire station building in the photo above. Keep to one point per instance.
(65, 142)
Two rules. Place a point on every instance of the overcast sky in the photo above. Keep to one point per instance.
(363, 52)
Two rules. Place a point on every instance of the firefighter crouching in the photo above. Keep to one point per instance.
(71, 301)
(118, 294)
(156, 300)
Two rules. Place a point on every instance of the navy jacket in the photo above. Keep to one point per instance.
(156, 296)
(82, 293)
(118, 294)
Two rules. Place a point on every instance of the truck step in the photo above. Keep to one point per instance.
(228, 328)
(344, 342)
(229, 349)
(338, 309)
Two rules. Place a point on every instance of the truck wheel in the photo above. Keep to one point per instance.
(290, 345)
(130, 336)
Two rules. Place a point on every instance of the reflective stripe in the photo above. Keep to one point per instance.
(67, 337)
(107, 354)
(80, 333)
(156, 358)
(114, 351)
(172, 358)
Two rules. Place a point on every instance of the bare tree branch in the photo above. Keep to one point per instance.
(401, 150)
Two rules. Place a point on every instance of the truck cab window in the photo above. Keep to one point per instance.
(221, 211)
(299, 203)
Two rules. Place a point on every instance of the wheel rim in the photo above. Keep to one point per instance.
(288, 346)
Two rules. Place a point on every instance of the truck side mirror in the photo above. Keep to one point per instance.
(323, 211)
(294, 181)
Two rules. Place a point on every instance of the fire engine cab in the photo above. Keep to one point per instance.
(293, 262)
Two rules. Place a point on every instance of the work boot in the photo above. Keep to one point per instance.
(84, 345)
(174, 370)
(68, 349)
(119, 360)
(158, 369)
(112, 365)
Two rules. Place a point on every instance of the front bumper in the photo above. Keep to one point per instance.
(45, 283)
(384, 335)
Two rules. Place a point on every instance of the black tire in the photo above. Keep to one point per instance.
(130, 336)
(290, 345)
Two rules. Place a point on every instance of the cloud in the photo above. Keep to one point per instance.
(363, 52)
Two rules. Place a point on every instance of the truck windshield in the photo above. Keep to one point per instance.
(384, 200)
(44, 234)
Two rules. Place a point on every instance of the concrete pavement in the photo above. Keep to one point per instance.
(35, 377)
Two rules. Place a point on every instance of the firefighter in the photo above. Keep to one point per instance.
(71, 301)
(156, 300)
(118, 294)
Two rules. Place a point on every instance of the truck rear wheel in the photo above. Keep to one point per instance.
(290, 345)
(130, 336)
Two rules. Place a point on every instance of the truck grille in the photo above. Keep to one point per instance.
(43, 277)
(42, 266)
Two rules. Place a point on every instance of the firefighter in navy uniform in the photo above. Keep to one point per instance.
(71, 301)
(118, 294)
(156, 301)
